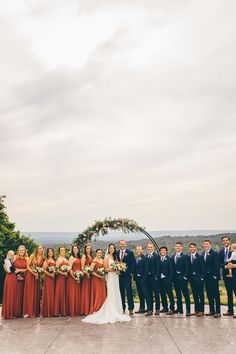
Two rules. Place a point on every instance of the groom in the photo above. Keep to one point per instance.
(125, 278)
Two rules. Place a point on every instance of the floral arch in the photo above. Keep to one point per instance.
(104, 226)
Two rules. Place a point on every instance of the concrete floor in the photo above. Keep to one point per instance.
(159, 334)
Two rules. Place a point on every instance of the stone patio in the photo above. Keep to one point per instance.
(158, 334)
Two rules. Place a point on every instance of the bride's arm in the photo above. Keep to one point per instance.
(106, 264)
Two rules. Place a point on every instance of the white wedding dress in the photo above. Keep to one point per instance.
(111, 310)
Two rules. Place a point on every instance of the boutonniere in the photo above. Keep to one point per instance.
(125, 254)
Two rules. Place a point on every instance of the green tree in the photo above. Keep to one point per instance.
(10, 240)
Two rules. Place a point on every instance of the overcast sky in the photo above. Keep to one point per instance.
(118, 108)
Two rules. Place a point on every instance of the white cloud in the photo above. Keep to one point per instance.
(116, 109)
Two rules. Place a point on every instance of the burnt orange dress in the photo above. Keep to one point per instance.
(73, 292)
(86, 291)
(9, 295)
(31, 303)
(47, 305)
(20, 263)
(98, 290)
(60, 293)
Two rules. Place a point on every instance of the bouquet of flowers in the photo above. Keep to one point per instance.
(37, 269)
(89, 270)
(101, 272)
(64, 268)
(52, 269)
(119, 267)
(78, 274)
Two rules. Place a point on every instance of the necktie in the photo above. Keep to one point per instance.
(206, 255)
(226, 255)
(176, 257)
(122, 255)
(192, 258)
(162, 259)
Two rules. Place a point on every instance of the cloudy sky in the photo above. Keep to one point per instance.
(118, 108)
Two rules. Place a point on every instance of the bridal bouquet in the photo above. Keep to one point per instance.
(78, 274)
(101, 272)
(89, 270)
(119, 267)
(64, 268)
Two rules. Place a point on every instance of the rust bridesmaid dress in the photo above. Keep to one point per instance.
(19, 263)
(73, 296)
(9, 295)
(60, 294)
(31, 304)
(47, 305)
(86, 291)
(98, 290)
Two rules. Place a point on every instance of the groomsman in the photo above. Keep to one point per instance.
(152, 274)
(139, 276)
(181, 274)
(165, 278)
(224, 254)
(125, 278)
(212, 276)
(197, 273)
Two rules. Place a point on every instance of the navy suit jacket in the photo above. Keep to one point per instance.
(153, 266)
(197, 268)
(167, 269)
(212, 264)
(181, 268)
(141, 267)
(129, 260)
(222, 261)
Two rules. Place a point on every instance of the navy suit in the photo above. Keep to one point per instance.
(212, 276)
(181, 274)
(125, 279)
(223, 256)
(151, 275)
(140, 271)
(197, 274)
(165, 278)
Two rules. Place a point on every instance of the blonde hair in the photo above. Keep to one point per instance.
(233, 246)
(18, 249)
(10, 251)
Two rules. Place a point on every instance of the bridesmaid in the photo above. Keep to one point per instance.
(9, 291)
(86, 283)
(31, 305)
(60, 288)
(98, 288)
(47, 306)
(73, 286)
(20, 264)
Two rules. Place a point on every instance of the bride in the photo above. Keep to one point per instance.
(111, 310)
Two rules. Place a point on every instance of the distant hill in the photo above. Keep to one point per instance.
(54, 239)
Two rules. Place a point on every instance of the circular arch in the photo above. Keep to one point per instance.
(104, 226)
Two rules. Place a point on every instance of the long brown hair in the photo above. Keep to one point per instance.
(50, 249)
(85, 247)
(35, 254)
(72, 251)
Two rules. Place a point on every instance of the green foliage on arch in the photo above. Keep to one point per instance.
(102, 227)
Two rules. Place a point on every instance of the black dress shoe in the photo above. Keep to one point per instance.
(188, 314)
(131, 312)
(163, 311)
(217, 315)
(170, 312)
(140, 311)
(210, 314)
(149, 313)
(178, 311)
(157, 312)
